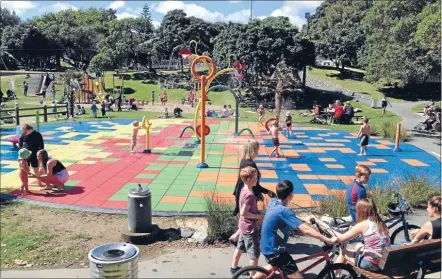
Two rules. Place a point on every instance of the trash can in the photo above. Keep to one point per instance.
(139, 210)
(114, 260)
(374, 103)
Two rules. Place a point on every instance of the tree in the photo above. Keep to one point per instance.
(7, 19)
(146, 20)
(336, 31)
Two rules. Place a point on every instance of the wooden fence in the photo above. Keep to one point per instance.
(43, 112)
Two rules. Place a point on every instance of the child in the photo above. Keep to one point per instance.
(374, 234)
(94, 110)
(23, 155)
(288, 123)
(248, 221)
(133, 138)
(274, 131)
(356, 190)
(278, 221)
(364, 134)
(103, 109)
(261, 114)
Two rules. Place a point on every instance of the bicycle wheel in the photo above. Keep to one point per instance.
(335, 271)
(398, 236)
(247, 270)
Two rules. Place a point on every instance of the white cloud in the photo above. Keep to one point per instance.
(18, 6)
(156, 23)
(201, 12)
(234, 1)
(126, 15)
(294, 11)
(115, 5)
(136, 11)
(60, 6)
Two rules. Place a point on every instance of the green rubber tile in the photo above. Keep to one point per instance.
(181, 187)
(195, 207)
(204, 188)
(184, 180)
(177, 193)
(163, 206)
(72, 183)
(157, 192)
(110, 160)
(146, 175)
(208, 183)
(155, 167)
(229, 170)
(155, 199)
(119, 196)
(201, 200)
(162, 186)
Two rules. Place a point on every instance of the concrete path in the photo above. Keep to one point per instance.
(198, 263)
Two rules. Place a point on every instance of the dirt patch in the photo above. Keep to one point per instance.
(33, 236)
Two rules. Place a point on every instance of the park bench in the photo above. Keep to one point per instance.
(403, 261)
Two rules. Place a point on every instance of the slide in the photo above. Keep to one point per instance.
(99, 92)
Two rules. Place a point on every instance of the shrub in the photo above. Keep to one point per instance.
(221, 222)
(417, 189)
(382, 196)
(334, 204)
(387, 129)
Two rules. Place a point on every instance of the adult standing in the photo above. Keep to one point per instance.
(250, 151)
(25, 88)
(119, 99)
(153, 97)
(52, 171)
(33, 141)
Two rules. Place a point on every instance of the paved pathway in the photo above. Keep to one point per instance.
(197, 263)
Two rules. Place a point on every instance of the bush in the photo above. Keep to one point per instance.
(417, 189)
(221, 222)
(382, 196)
(387, 129)
(334, 204)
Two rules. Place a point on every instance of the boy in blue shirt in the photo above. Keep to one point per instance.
(356, 190)
(278, 221)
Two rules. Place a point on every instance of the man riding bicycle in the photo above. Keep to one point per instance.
(278, 221)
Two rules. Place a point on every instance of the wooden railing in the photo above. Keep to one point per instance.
(42, 111)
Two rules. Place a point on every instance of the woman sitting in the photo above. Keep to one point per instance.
(431, 228)
(374, 234)
(52, 171)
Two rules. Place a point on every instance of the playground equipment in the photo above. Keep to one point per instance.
(146, 126)
(204, 129)
(90, 88)
(398, 137)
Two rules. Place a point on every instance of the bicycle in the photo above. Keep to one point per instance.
(398, 210)
(330, 271)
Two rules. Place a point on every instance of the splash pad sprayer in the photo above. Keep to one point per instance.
(204, 129)
(146, 126)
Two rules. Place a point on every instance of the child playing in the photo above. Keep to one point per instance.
(23, 155)
(261, 114)
(374, 234)
(133, 138)
(364, 134)
(103, 108)
(274, 131)
(248, 241)
(94, 110)
(356, 190)
(288, 123)
(278, 221)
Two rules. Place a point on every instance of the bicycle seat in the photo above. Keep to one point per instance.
(394, 208)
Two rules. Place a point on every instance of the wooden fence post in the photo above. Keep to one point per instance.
(45, 113)
(17, 115)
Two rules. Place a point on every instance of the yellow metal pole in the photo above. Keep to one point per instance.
(146, 126)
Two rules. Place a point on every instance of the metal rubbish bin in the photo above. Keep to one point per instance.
(374, 103)
(114, 260)
(140, 210)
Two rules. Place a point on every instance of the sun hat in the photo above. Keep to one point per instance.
(24, 153)
(288, 113)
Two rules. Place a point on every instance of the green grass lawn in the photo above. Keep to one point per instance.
(353, 85)
(420, 108)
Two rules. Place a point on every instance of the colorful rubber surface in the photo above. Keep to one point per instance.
(102, 168)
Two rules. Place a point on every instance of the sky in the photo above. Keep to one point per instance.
(213, 11)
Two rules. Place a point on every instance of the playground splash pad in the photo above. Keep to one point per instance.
(102, 168)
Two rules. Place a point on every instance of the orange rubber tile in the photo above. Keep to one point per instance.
(201, 179)
(415, 163)
(301, 200)
(303, 151)
(269, 174)
(367, 163)
(302, 137)
(265, 165)
(328, 177)
(316, 138)
(269, 186)
(311, 143)
(327, 159)
(316, 189)
(378, 171)
(347, 179)
(203, 194)
(300, 167)
(337, 140)
(378, 160)
(290, 153)
(278, 159)
(380, 146)
(317, 150)
(307, 176)
(330, 148)
(385, 142)
(173, 199)
(350, 137)
(346, 150)
(334, 166)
